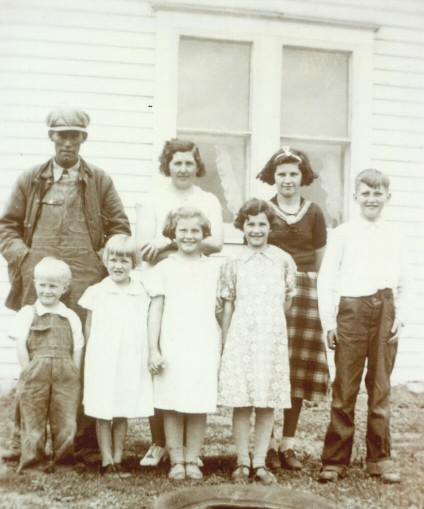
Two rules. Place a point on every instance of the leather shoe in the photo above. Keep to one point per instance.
(11, 456)
(272, 460)
(330, 473)
(385, 470)
(392, 477)
(289, 461)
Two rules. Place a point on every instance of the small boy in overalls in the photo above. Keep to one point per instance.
(362, 290)
(49, 343)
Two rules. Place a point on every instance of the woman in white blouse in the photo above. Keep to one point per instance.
(180, 161)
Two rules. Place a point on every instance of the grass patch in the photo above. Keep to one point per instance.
(67, 488)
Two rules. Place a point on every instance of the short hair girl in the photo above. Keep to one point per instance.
(299, 228)
(117, 382)
(255, 285)
(182, 321)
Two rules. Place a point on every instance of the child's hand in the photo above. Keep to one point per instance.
(156, 363)
(332, 339)
(396, 329)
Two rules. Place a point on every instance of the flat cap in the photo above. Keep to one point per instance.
(67, 119)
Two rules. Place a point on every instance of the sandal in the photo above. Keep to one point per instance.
(264, 475)
(177, 472)
(193, 471)
(121, 472)
(241, 473)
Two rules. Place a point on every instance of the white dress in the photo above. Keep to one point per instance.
(117, 381)
(255, 365)
(190, 340)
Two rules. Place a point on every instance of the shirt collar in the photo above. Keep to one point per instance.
(59, 309)
(193, 190)
(133, 288)
(182, 260)
(270, 252)
(363, 223)
(58, 170)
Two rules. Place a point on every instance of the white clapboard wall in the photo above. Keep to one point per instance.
(97, 55)
(100, 55)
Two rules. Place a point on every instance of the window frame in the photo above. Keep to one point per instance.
(267, 37)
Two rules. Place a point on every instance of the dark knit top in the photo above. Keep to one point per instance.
(299, 234)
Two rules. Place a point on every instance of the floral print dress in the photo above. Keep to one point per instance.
(255, 366)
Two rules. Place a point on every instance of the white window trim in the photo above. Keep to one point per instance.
(267, 36)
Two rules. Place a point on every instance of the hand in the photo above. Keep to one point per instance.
(156, 362)
(396, 329)
(332, 339)
(150, 251)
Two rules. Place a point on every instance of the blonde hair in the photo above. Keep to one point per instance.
(122, 245)
(372, 178)
(53, 268)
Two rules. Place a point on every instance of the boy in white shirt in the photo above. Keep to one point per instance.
(49, 344)
(361, 294)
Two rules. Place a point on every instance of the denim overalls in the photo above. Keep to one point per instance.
(48, 390)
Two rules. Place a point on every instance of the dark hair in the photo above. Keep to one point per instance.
(175, 215)
(253, 207)
(176, 145)
(288, 155)
(372, 178)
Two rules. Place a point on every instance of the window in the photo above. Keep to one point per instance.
(213, 111)
(241, 90)
(315, 118)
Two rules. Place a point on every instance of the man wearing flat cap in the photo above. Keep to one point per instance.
(66, 208)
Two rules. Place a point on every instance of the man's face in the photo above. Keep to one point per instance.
(67, 145)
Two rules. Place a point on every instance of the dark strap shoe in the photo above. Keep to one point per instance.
(289, 461)
(272, 460)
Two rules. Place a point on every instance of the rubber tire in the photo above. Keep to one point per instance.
(232, 496)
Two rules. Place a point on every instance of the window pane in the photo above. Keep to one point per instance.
(225, 161)
(327, 160)
(314, 92)
(213, 85)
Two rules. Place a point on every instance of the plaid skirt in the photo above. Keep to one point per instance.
(309, 375)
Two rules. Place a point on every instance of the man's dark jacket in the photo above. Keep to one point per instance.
(102, 207)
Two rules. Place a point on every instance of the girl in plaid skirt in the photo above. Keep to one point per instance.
(300, 230)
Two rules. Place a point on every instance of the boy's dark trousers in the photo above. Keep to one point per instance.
(363, 327)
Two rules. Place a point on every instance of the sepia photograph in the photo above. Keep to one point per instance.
(211, 254)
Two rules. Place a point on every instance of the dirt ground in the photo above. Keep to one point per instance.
(71, 487)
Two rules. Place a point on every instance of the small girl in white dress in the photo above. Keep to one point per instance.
(256, 287)
(184, 339)
(117, 381)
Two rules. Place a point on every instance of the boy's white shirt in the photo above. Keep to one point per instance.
(361, 258)
(25, 316)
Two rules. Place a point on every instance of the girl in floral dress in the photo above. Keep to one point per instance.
(256, 286)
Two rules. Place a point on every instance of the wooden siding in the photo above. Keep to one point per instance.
(100, 55)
